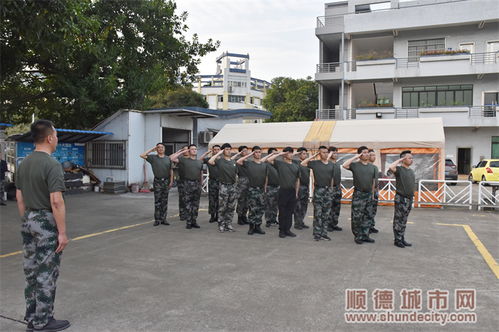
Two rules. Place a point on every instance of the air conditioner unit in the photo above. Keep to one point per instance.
(206, 136)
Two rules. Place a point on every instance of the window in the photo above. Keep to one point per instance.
(467, 46)
(494, 164)
(220, 99)
(107, 154)
(236, 99)
(440, 95)
(237, 84)
(416, 47)
(481, 164)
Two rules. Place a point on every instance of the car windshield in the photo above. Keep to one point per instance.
(449, 162)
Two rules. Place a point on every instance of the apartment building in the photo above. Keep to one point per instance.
(415, 59)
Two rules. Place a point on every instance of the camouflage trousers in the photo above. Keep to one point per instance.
(301, 205)
(226, 203)
(322, 209)
(360, 215)
(2, 190)
(256, 205)
(161, 190)
(213, 186)
(181, 200)
(403, 206)
(242, 196)
(192, 196)
(335, 206)
(372, 210)
(41, 265)
(271, 204)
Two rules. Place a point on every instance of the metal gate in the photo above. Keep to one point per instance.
(438, 192)
(488, 196)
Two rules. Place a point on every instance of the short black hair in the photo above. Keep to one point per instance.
(40, 129)
(241, 148)
(322, 147)
(161, 144)
(362, 148)
(226, 145)
(256, 147)
(333, 149)
(403, 153)
(191, 145)
(215, 146)
(302, 149)
(288, 149)
(270, 150)
(370, 150)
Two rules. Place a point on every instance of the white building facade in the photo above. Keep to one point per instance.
(420, 58)
(232, 86)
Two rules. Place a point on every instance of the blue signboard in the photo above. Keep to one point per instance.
(74, 152)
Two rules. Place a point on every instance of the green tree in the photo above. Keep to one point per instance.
(291, 99)
(78, 61)
(181, 96)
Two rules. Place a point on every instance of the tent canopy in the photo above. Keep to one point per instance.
(377, 134)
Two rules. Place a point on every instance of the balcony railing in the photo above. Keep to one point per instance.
(351, 66)
(486, 111)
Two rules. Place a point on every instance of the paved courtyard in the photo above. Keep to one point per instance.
(119, 273)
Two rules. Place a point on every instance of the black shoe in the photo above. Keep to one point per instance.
(188, 226)
(267, 224)
(407, 244)
(290, 234)
(358, 241)
(304, 226)
(2, 204)
(54, 325)
(240, 220)
(282, 235)
(299, 227)
(325, 237)
(368, 240)
(399, 244)
(337, 228)
(259, 230)
(156, 223)
(212, 219)
(30, 327)
(251, 229)
(317, 238)
(195, 225)
(165, 223)
(373, 230)
(245, 219)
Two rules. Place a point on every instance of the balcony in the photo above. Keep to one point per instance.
(452, 116)
(409, 15)
(424, 66)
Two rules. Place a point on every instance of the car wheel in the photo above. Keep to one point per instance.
(470, 178)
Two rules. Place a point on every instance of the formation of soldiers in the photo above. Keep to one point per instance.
(275, 187)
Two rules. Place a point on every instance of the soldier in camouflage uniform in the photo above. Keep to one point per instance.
(364, 177)
(303, 192)
(213, 184)
(163, 180)
(227, 172)
(40, 183)
(272, 194)
(373, 207)
(336, 193)
(257, 176)
(180, 187)
(242, 189)
(191, 175)
(405, 186)
(323, 170)
(3, 169)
